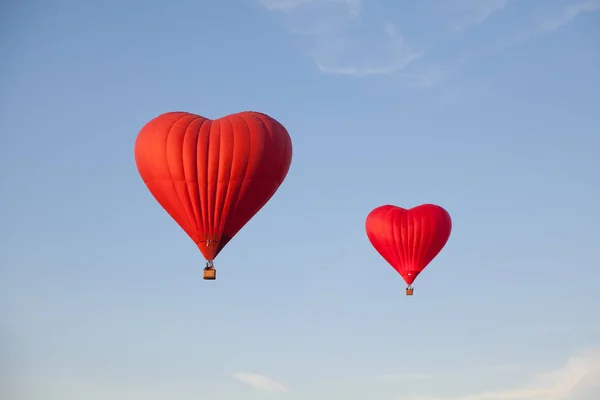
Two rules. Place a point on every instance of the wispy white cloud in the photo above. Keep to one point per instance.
(344, 41)
(554, 20)
(346, 38)
(475, 12)
(550, 19)
(578, 379)
(383, 51)
(316, 17)
(260, 382)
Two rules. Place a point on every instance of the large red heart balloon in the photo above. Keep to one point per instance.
(409, 239)
(213, 176)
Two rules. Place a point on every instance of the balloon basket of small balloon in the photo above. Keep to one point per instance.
(409, 291)
(210, 274)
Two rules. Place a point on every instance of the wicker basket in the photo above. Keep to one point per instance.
(210, 274)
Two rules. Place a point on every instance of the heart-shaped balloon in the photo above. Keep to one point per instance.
(213, 176)
(409, 239)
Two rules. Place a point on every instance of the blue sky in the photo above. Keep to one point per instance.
(486, 107)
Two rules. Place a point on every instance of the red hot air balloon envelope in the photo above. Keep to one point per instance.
(213, 176)
(409, 239)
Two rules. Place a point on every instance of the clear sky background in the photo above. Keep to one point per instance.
(490, 108)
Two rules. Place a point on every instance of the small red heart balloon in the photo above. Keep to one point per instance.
(213, 176)
(409, 239)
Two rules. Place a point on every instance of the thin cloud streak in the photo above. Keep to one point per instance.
(478, 11)
(316, 18)
(344, 42)
(389, 53)
(552, 20)
(261, 382)
(566, 16)
(578, 379)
